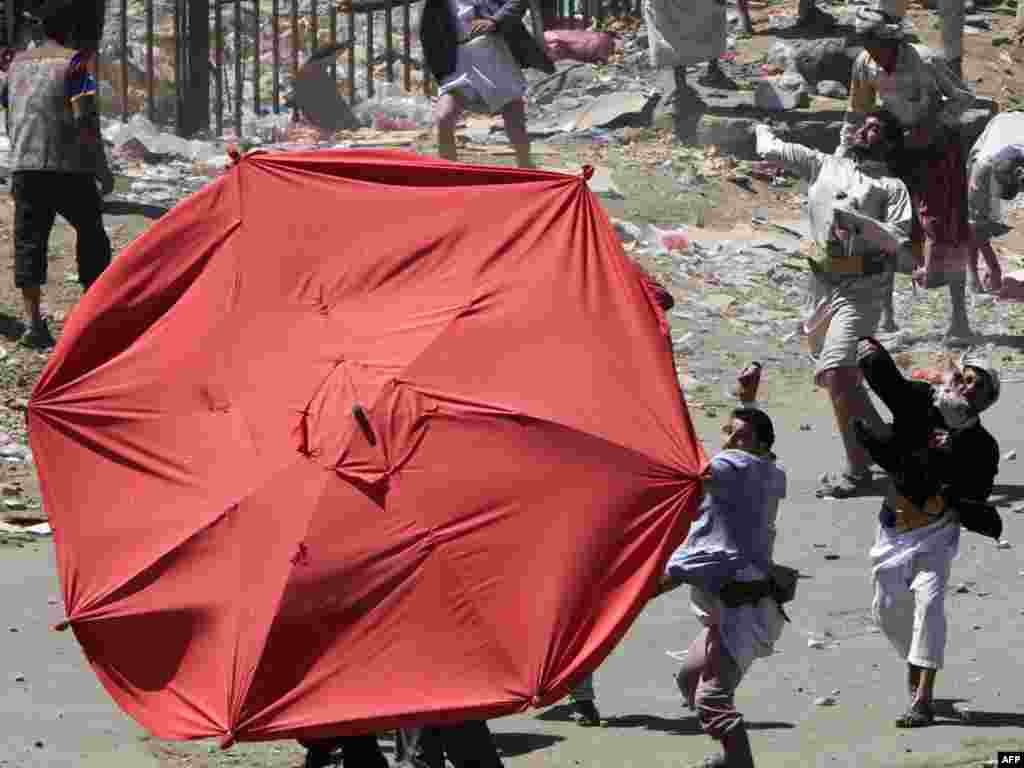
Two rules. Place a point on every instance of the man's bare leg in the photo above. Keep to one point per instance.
(959, 325)
(925, 691)
(850, 400)
(446, 115)
(888, 314)
(32, 298)
(514, 115)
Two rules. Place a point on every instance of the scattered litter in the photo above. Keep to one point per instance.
(677, 655)
(962, 589)
(1004, 544)
(805, 427)
(831, 556)
(816, 643)
(1010, 456)
(825, 701)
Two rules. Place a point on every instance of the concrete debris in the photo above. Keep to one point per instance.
(825, 701)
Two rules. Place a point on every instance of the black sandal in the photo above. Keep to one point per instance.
(917, 716)
(843, 485)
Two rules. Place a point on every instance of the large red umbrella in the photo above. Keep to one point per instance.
(356, 439)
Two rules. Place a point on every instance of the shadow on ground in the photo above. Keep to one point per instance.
(1006, 494)
(11, 327)
(974, 718)
(683, 726)
(515, 744)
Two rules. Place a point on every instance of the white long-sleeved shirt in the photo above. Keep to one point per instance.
(834, 180)
(1003, 137)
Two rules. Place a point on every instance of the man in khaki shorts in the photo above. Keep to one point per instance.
(861, 221)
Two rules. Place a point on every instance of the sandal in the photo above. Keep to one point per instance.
(713, 761)
(917, 716)
(843, 485)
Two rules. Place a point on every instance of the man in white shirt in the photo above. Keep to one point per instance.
(995, 171)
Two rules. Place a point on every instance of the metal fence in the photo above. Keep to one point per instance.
(351, 25)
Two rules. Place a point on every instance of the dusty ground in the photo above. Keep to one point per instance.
(647, 727)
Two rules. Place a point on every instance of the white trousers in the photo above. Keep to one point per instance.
(909, 607)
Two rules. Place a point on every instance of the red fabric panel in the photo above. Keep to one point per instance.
(525, 464)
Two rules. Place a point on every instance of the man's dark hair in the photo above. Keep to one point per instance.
(892, 129)
(758, 419)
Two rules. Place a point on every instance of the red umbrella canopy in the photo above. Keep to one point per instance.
(353, 439)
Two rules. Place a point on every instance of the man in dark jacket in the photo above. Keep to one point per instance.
(476, 50)
(942, 463)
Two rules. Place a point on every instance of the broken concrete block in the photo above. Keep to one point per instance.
(732, 134)
(781, 93)
(833, 89)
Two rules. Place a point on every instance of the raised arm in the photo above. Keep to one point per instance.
(801, 160)
(882, 375)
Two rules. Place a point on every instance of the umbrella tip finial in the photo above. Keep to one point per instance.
(588, 172)
(60, 626)
(227, 740)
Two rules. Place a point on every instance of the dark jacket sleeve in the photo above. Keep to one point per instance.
(888, 383)
(972, 464)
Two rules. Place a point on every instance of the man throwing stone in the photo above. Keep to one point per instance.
(919, 537)
(860, 220)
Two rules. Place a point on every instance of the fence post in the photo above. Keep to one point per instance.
(218, 35)
(276, 55)
(389, 48)
(256, 60)
(407, 45)
(369, 55)
(351, 14)
(238, 69)
(150, 85)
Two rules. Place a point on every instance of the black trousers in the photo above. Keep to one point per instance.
(356, 751)
(467, 745)
(38, 197)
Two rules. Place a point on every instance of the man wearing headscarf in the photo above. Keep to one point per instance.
(849, 270)
(995, 172)
(919, 534)
(927, 99)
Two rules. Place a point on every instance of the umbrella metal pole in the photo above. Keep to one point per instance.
(238, 68)
(276, 55)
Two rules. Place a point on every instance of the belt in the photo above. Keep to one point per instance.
(833, 260)
(905, 516)
(737, 593)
